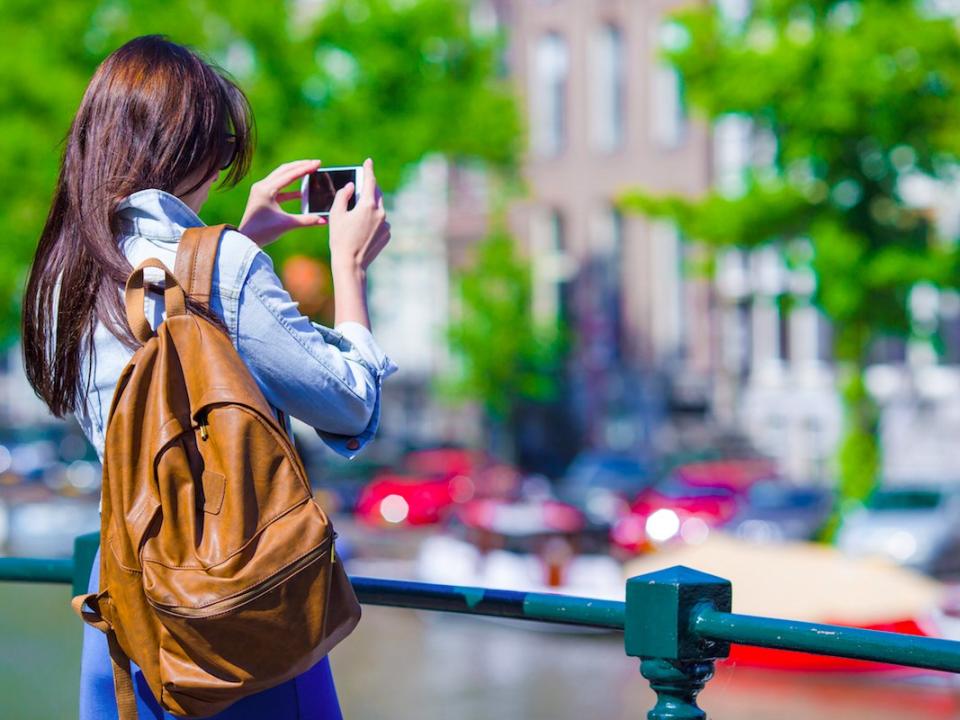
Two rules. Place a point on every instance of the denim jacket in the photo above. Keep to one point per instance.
(329, 379)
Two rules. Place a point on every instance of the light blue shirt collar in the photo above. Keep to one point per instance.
(156, 215)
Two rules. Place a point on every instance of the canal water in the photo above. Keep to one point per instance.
(401, 664)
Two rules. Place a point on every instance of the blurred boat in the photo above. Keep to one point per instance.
(813, 583)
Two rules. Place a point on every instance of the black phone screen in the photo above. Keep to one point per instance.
(324, 184)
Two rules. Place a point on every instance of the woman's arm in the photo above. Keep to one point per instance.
(356, 238)
(330, 379)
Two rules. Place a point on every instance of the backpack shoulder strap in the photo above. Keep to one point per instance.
(196, 258)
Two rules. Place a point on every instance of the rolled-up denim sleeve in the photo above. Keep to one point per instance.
(329, 379)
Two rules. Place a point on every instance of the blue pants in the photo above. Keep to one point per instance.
(310, 696)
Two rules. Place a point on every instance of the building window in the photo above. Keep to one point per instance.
(614, 280)
(605, 282)
(666, 278)
(607, 88)
(548, 94)
(552, 267)
(731, 153)
(668, 123)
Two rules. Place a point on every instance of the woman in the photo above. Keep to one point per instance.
(155, 129)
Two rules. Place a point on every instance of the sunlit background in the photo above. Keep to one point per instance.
(671, 282)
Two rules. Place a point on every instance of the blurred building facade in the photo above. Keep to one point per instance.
(656, 341)
(660, 350)
(606, 115)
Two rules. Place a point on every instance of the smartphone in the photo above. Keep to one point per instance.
(319, 188)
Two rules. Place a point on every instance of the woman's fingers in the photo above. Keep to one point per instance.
(288, 172)
(287, 196)
(306, 219)
(382, 237)
(342, 198)
(378, 243)
(369, 191)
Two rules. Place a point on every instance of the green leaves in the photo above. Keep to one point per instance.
(418, 82)
(503, 357)
(861, 98)
(765, 212)
(339, 80)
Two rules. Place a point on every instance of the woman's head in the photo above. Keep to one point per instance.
(155, 115)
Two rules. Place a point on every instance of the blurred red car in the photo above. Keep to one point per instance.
(430, 483)
(734, 475)
(488, 477)
(394, 499)
(672, 512)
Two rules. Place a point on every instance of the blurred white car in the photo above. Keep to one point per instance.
(916, 526)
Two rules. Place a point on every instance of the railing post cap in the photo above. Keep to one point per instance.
(660, 611)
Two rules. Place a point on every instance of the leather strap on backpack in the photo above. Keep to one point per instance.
(173, 297)
(88, 608)
(196, 259)
(122, 681)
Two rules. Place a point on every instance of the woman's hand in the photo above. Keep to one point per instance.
(356, 238)
(264, 220)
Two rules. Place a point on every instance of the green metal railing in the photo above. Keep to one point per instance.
(676, 621)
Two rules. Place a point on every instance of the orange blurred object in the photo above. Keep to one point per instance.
(308, 281)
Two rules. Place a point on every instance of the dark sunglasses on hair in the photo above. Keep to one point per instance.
(229, 152)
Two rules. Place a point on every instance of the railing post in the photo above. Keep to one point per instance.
(84, 551)
(658, 630)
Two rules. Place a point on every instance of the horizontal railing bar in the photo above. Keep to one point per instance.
(40, 570)
(543, 607)
(835, 640)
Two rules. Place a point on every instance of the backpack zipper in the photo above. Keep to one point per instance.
(227, 605)
(204, 426)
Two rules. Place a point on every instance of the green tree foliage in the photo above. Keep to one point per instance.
(503, 357)
(338, 80)
(859, 95)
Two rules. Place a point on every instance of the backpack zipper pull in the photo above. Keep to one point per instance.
(204, 428)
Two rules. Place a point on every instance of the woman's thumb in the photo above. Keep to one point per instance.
(342, 197)
(308, 219)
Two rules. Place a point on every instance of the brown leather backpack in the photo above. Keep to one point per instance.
(217, 569)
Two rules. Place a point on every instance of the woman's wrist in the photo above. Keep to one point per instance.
(349, 291)
(348, 268)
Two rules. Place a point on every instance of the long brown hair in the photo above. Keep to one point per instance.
(154, 114)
